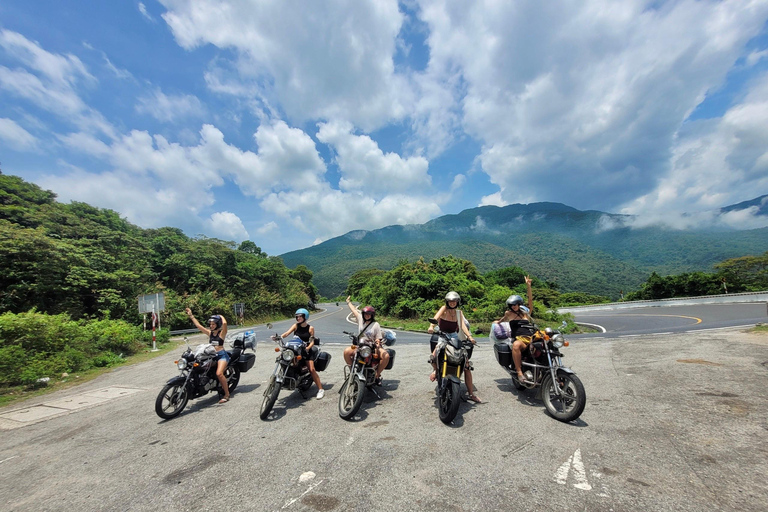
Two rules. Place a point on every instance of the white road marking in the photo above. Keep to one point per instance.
(294, 500)
(579, 473)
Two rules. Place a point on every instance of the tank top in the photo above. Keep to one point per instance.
(215, 339)
(448, 326)
(302, 332)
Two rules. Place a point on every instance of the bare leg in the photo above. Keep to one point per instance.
(517, 357)
(383, 362)
(222, 365)
(315, 376)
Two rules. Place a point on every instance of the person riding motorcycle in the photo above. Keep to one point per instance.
(216, 332)
(306, 333)
(517, 312)
(370, 328)
(450, 320)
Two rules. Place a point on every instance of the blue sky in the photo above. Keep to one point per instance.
(289, 123)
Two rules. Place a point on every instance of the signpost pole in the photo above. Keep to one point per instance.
(154, 323)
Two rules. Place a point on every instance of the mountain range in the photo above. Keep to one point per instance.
(588, 251)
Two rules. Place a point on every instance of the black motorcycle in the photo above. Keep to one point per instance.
(451, 359)
(291, 371)
(362, 374)
(561, 390)
(198, 374)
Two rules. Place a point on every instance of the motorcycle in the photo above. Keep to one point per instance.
(198, 374)
(362, 374)
(562, 391)
(291, 371)
(451, 358)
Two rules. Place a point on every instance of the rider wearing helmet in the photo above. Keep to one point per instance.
(370, 328)
(216, 331)
(451, 321)
(307, 334)
(516, 312)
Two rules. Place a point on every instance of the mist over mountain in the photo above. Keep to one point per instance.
(589, 251)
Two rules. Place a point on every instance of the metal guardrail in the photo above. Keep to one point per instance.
(182, 331)
(677, 301)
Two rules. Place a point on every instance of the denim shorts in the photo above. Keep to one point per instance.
(222, 355)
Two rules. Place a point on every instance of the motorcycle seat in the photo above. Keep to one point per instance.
(234, 354)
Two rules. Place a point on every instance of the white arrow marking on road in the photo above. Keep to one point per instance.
(575, 462)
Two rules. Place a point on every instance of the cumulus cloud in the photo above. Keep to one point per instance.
(15, 136)
(582, 95)
(226, 226)
(364, 166)
(316, 60)
(715, 162)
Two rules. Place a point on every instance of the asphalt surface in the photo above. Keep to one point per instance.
(669, 319)
(672, 422)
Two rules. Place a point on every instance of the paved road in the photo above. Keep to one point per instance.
(672, 422)
(647, 320)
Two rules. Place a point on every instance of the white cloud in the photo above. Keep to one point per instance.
(587, 96)
(267, 228)
(715, 162)
(169, 108)
(331, 60)
(226, 226)
(15, 136)
(143, 11)
(366, 167)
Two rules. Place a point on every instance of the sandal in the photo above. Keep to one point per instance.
(433, 376)
(224, 400)
(474, 398)
(377, 381)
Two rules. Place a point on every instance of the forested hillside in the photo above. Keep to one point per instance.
(584, 251)
(88, 262)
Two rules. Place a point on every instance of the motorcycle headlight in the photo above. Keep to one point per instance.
(365, 351)
(287, 355)
(558, 340)
(181, 363)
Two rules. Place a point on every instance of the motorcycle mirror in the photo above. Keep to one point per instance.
(433, 321)
(562, 326)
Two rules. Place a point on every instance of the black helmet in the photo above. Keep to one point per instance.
(452, 296)
(514, 299)
(215, 319)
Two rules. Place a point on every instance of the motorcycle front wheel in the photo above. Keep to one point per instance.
(569, 406)
(270, 397)
(171, 400)
(448, 401)
(351, 397)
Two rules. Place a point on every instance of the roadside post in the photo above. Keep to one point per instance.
(153, 304)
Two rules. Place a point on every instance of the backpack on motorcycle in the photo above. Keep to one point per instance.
(322, 360)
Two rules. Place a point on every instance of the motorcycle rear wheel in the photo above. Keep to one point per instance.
(171, 401)
(351, 397)
(448, 401)
(566, 408)
(232, 375)
(270, 397)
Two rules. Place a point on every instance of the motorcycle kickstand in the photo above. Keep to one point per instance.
(375, 392)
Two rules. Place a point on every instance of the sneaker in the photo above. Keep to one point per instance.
(320, 394)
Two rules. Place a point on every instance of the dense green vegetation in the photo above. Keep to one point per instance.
(88, 262)
(744, 274)
(417, 290)
(34, 345)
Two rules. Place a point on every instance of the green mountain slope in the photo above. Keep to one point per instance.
(579, 250)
